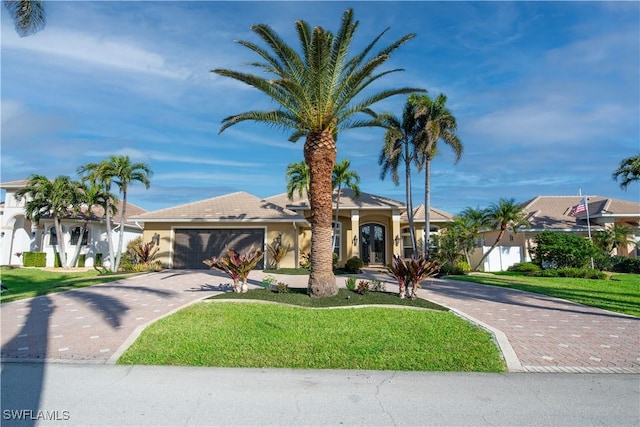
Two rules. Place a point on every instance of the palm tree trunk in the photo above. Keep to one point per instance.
(61, 247)
(109, 236)
(427, 208)
(490, 249)
(412, 229)
(121, 236)
(76, 252)
(320, 154)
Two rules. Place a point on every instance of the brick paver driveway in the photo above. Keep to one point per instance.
(90, 324)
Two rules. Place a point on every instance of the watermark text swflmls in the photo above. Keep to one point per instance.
(30, 414)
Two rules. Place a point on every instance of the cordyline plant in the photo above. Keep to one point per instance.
(237, 265)
(277, 252)
(411, 272)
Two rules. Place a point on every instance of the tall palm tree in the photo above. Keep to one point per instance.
(297, 179)
(400, 149)
(28, 16)
(628, 171)
(437, 123)
(91, 194)
(97, 173)
(122, 172)
(317, 92)
(350, 179)
(504, 215)
(50, 198)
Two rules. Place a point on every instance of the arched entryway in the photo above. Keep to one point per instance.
(372, 244)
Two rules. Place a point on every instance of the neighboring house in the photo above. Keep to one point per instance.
(370, 227)
(18, 234)
(553, 213)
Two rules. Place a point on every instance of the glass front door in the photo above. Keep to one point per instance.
(372, 245)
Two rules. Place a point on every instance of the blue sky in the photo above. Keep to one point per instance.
(546, 95)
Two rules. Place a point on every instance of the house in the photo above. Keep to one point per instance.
(18, 234)
(370, 227)
(553, 213)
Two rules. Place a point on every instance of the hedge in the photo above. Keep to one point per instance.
(34, 259)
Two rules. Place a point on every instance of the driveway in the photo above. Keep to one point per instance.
(536, 333)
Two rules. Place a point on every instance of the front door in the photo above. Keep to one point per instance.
(372, 244)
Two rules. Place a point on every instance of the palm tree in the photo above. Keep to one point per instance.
(437, 123)
(50, 198)
(399, 147)
(91, 194)
(297, 179)
(317, 90)
(123, 173)
(468, 225)
(629, 171)
(506, 214)
(343, 176)
(28, 16)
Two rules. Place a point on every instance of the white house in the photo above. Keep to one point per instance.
(18, 234)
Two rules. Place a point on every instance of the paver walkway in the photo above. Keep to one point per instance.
(91, 324)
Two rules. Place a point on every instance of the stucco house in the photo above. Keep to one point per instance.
(553, 213)
(18, 234)
(370, 227)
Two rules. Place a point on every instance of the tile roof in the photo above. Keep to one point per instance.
(13, 184)
(436, 215)
(347, 201)
(552, 212)
(234, 207)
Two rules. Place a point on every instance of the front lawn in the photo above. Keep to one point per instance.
(32, 282)
(620, 293)
(259, 335)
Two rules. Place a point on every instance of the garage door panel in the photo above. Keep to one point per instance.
(192, 246)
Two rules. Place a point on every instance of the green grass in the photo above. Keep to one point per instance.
(620, 293)
(32, 282)
(289, 271)
(259, 335)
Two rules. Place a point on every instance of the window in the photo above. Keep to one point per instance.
(75, 235)
(407, 247)
(338, 246)
(53, 237)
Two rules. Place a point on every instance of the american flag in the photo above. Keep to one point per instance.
(579, 208)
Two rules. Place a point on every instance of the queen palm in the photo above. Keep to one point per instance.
(28, 16)
(437, 124)
(400, 149)
(504, 215)
(317, 92)
(297, 179)
(50, 198)
(628, 171)
(350, 179)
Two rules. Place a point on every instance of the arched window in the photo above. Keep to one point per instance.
(75, 236)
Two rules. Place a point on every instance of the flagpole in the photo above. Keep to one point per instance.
(586, 203)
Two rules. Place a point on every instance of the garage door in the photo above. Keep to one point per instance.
(193, 245)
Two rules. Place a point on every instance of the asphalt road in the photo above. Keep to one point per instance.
(108, 395)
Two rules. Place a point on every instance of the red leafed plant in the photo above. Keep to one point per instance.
(237, 265)
(411, 272)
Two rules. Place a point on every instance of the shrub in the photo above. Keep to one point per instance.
(305, 260)
(351, 283)
(524, 267)
(549, 272)
(354, 264)
(237, 265)
(334, 261)
(603, 261)
(34, 259)
(377, 286)
(411, 272)
(363, 287)
(269, 282)
(579, 273)
(282, 288)
(622, 264)
(277, 251)
(56, 260)
(562, 250)
(82, 259)
(450, 270)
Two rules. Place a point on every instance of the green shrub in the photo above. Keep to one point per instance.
(82, 259)
(558, 250)
(623, 264)
(524, 267)
(334, 261)
(578, 273)
(464, 266)
(98, 260)
(354, 264)
(550, 272)
(305, 260)
(351, 282)
(268, 282)
(449, 269)
(34, 259)
(603, 261)
(56, 260)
